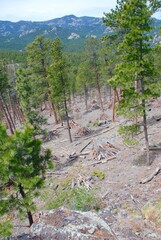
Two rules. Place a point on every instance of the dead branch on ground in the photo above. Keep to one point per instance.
(148, 179)
(104, 161)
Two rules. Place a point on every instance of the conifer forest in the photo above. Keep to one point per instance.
(80, 131)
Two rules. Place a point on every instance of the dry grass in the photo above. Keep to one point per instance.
(152, 212)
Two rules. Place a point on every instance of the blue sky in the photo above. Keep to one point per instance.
(40, 10)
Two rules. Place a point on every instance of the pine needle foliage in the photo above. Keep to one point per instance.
(23, 165)
(135, 74)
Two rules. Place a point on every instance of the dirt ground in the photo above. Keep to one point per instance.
(134, 208)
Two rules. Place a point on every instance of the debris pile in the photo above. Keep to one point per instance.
(102, 153)
(82, 181)
(50, 135)
(73, 124)
(71, 157)
(107, 150)
(83, 131)
(95, 107)
(103, 117)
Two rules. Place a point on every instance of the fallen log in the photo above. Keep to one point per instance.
(85, 153)
(65, 140)
(107, 130)
(72, 157)
(85, 146)
(153, 149)
(95, 135)
(104, 161)
(56, 173)
(148, 179)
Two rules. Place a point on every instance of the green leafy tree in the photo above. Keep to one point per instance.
(58, 78)
(23, 165)
(135, 74)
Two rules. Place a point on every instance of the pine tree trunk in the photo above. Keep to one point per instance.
(117, 95)
(145, 124)
(113, 105)
(110, 93)
(86, 96)
(8, 112)
(7, 115)
(73, 95)
(146, 136)
(55, 114)
(12, 109)
(29, 215)
(30, 218)
(18, 113)
(99, 92)
(19, 110)
(6, 121)
(144, 107)
(67, 119)
(97, 83)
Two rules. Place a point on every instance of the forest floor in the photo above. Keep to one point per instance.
(134, 209)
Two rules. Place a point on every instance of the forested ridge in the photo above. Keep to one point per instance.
(48, 92)
(71, 30)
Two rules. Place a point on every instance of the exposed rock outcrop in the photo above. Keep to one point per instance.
(63, 224)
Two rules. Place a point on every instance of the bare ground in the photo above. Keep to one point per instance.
(135, 208)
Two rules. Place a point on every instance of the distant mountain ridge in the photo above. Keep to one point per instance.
(71, 30)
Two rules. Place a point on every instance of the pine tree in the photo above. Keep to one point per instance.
(4, 87)
(38, 58)
(135, 74)
(58, 79)
(83, 80)
(93, 61)
(30, 98)
(73, 60)
(32, 84)
(23, 166)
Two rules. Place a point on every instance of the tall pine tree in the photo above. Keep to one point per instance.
(135, 74)
(58, 79)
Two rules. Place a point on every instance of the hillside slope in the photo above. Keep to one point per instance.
(72, 30)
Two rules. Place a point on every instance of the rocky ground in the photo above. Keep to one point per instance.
(129, 210)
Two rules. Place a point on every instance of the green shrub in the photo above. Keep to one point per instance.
(5, 229)
(77, 199)
(94, 123)
(129, 133)
(99, 174)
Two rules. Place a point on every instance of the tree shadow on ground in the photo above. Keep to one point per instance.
(141, 160)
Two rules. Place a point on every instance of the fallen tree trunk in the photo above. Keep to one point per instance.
(153, 149)
(86, 146)
(104, 161)
(148, 179)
